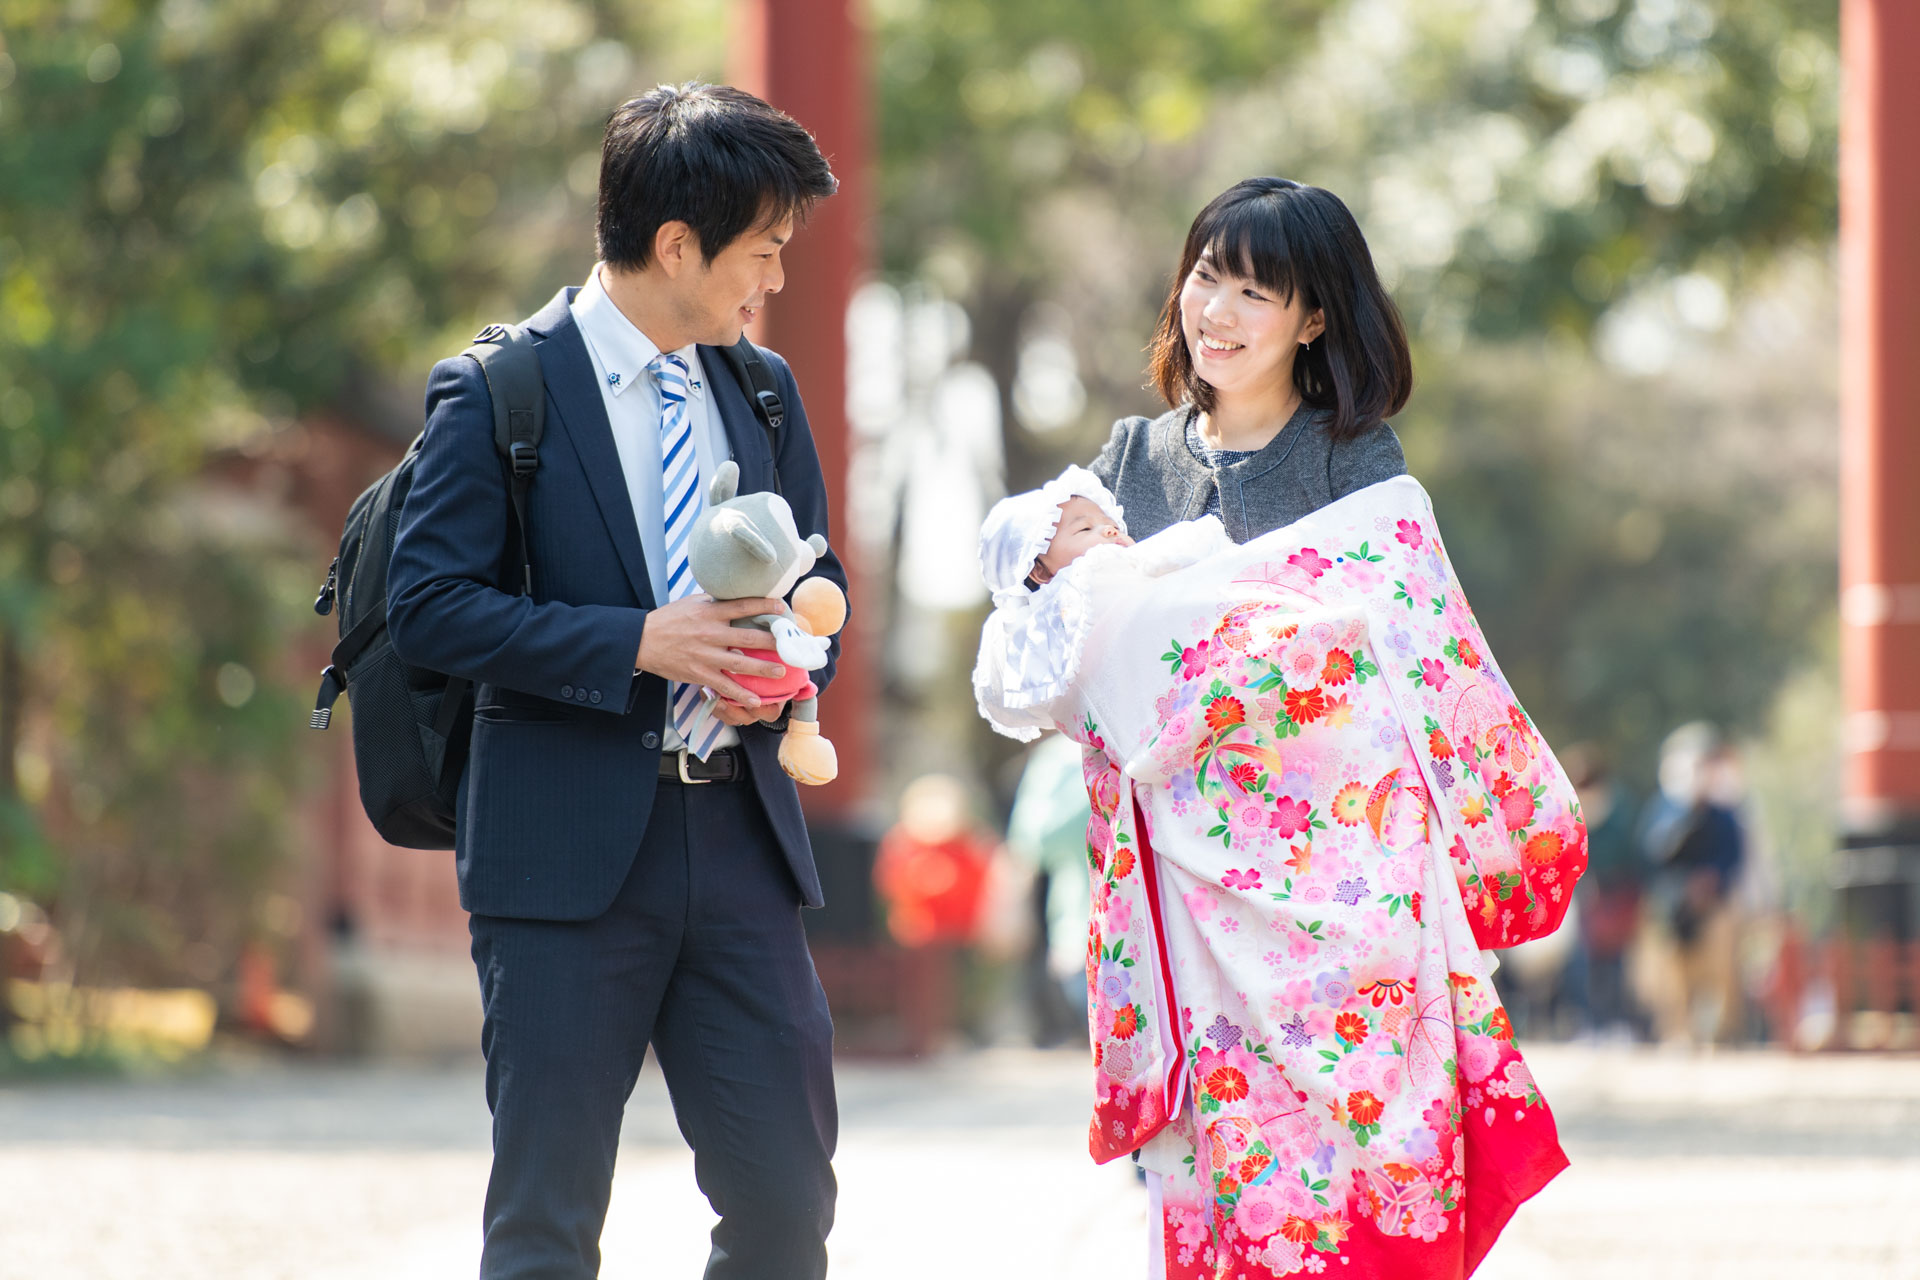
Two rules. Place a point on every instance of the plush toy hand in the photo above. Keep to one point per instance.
(797, 648)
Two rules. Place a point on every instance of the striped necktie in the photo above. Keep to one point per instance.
(680, 487)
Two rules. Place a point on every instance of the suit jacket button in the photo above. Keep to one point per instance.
(579, 695)
(594, 697)
(650, 740)
(566, 691)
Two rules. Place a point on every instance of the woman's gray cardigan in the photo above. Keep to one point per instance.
(1159, 482)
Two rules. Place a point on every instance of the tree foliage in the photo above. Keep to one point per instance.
(1641, 552)
(216, 221)
(220, 219)
(1519, 167)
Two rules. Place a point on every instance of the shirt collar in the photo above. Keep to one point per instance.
(624, 351)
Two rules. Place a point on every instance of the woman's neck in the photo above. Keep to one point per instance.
(1247, 423)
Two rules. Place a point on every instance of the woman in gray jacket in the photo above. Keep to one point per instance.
(1282, 357)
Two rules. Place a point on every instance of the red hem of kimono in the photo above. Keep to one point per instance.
(1508, 1162)
(1507, 1167)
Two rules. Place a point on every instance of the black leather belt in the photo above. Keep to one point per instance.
(724, 765)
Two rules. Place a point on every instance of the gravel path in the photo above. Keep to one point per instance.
(1739, 1165)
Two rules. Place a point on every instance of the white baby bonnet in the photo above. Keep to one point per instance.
(1030, 646)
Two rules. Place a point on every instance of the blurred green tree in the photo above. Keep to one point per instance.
(1519, 167)
(216, 220)
(991, 114)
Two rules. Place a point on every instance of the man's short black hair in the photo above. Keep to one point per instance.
(711, 156)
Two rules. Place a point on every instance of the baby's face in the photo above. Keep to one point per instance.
(1083, 526)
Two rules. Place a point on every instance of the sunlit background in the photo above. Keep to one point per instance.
(236, 234)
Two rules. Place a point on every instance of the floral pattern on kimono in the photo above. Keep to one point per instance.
(1315, 799)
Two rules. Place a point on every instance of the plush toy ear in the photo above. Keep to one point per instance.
(818, 543)
(726, 483)
(820, 606)
(742, 532)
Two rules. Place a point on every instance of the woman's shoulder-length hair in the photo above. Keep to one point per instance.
(1293, 239)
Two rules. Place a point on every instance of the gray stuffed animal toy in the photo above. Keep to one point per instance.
(747, 545)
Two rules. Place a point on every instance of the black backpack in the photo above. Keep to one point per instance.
(411, 725)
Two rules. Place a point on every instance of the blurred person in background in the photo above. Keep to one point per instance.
(30, 948)
(1608, 900)
(931, 869)
(1540, 981)
(1048, 832)
(1694, 841)
(932, 873)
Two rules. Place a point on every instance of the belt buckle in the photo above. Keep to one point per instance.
(684, 776)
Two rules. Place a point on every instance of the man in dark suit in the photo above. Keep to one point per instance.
(633, 857)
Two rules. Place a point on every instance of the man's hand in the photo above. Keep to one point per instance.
(736, 715)
(690, 641)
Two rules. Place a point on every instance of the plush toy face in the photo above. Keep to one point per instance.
(747, 545)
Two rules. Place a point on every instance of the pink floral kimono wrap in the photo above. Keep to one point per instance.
(1315, 801)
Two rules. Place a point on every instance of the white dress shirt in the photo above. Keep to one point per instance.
(620, 354)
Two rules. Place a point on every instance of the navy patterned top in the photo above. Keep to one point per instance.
(1214, 458)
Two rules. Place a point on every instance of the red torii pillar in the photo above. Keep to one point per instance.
(1880, 461)
(808, 57)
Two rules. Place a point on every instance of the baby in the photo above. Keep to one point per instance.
(1041, 553)
(1028, 538)
(1084, 525)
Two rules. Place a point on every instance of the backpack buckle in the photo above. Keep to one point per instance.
(526, 459)
(332, 685)
(774, 408)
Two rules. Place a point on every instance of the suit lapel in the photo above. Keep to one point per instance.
(745, 433)
(582, 417)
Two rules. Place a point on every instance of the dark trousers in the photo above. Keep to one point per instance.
(1606, 1002)
(702, 954)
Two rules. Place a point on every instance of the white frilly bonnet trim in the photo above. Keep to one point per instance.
(1031, 643)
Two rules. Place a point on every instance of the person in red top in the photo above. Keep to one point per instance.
(933, 872)
(932, 866)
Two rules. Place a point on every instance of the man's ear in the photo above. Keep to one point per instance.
(674, 247)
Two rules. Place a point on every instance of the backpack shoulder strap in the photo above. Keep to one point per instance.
(511, 366)
(755, 376)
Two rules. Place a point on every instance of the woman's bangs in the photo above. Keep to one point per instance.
(1247, 240)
